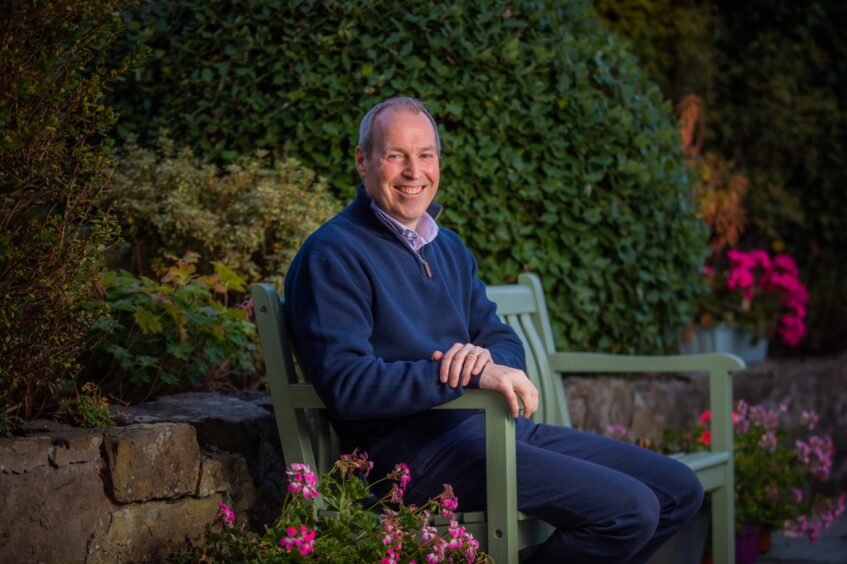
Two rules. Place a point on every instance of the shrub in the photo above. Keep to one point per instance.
(252, 217)
(559, 158)
(87, 409)
(173, 334)
(53, 166)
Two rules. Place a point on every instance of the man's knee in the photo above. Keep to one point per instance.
(633, 522)
(687, 495)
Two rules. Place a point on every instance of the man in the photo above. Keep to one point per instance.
(390, 319)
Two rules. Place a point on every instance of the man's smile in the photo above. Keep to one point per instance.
(410, 190)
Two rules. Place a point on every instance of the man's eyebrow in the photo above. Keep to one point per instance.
(402, 150)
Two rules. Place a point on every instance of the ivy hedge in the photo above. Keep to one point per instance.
(559, 156)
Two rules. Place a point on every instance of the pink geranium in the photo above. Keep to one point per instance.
(761, 294)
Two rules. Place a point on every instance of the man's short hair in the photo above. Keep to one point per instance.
(413, 104)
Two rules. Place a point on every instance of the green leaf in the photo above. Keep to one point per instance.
(147, 321)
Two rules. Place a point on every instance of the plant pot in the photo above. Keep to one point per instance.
(725, 339)
(765, 541)
(747, 545)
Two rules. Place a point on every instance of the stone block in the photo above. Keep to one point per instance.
(226, 474)
(22, 454)
(242, 423)
(151, 461)
(151, 531)
(49, 514)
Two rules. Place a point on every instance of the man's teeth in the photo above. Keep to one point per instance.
(411, 190)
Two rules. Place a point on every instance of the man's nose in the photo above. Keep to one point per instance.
(412, 168)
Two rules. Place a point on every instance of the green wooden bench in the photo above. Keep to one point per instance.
(502, 530)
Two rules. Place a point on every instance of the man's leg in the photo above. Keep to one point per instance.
(610, 501)
(674, 486)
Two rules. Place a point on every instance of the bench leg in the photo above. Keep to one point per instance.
(723, 525)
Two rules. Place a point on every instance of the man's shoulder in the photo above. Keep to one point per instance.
(342, 232)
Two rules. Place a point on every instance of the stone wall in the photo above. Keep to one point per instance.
(137, 492)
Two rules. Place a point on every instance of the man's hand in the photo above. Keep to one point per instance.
(461, 362)
(512, 383)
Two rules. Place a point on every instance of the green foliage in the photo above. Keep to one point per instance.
(53, 165)
(172, 334)
(252, 218)
(560, 157)
(87, 409)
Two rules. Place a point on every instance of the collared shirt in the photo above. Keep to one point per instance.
(425, 231)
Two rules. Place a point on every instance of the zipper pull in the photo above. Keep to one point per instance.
(426, 267)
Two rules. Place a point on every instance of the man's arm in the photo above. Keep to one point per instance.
(496, 354)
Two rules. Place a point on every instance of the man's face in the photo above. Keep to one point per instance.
(402, 173)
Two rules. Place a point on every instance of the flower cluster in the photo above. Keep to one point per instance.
(226, 514)
(774, 475)
(761, 294)
(354, 462)
(303, 541)
(301, 480)
(350, 531)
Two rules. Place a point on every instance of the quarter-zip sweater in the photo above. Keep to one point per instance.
(366, 319)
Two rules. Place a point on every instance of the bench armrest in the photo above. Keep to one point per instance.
(596, 362)
(718, 365)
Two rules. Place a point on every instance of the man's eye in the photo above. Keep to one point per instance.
(428, 156)
(394, 156)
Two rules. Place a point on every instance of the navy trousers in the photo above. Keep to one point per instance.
(610, 501)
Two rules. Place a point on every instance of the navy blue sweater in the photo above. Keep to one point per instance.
(366, 318)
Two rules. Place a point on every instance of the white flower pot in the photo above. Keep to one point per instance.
(724, 339)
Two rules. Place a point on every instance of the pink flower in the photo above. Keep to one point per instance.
(740, 258)
(740, 278)
(354, 462)
(704, 418)
(617, 431)
(301, 480)
(449, 502)
(304, 542)
(809, 419)
(226, 514)
(760, 258)
(785, 263)
(791, 329)
(403, 474)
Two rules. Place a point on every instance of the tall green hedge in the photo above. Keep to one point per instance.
(53, 165)
(560, 157)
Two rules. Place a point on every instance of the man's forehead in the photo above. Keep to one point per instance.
(387, 120)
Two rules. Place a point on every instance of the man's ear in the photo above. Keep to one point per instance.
(360, 161)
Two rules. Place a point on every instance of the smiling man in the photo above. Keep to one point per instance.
(389, 319)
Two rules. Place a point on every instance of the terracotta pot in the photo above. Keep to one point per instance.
(765, 541)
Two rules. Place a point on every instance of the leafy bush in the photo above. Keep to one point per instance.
(53, 165)
(87, 409)
(252, 218)
(172, 334)
(560, 157)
